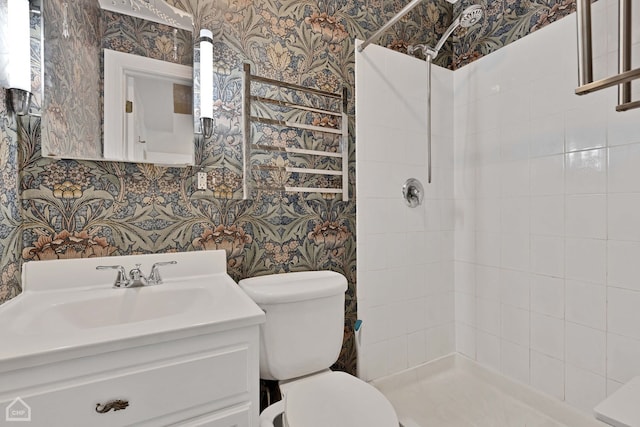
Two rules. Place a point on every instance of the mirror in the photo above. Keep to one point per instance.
(148, 108)
(138, 110)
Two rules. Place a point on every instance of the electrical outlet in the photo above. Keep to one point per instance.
(202, 180)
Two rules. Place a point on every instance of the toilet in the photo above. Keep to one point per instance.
(299, 341)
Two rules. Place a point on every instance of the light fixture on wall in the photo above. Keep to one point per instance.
(15, 54)
(206, 82)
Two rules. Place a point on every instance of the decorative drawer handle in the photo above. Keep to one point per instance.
(116, 405)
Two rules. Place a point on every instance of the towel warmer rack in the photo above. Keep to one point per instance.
(249, 118)
(585, 56)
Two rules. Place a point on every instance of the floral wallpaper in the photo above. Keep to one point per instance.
(54, 209)
(10, 214)
(505, 21)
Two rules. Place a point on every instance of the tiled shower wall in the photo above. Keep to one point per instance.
(405, 255)
(547, 233)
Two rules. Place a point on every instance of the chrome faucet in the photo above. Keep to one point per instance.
(136, 277)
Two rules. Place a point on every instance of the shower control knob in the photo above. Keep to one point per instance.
(413, 192)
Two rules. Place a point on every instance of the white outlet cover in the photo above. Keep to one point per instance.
(202, 180)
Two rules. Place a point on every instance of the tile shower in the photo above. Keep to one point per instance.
(544, 225)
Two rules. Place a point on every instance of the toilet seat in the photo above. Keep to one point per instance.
(337, 399)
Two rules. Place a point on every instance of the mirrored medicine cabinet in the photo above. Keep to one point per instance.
(118, 82)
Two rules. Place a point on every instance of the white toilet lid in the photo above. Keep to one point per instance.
(337, 399)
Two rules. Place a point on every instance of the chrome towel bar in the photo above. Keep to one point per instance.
(328, 125)
(585, 56)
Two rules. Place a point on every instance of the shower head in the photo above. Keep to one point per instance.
(470, 16)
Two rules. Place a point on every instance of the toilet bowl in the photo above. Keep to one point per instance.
(299, 341)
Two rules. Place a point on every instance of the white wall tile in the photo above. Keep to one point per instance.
(515, 140)
(515, 361)
(547, 335)
(547, 255)
(517, 184)
(488, 316)
(406, 277)
(624, 174)
(415, 312)
(488, 215)
(440, 340)
(515, 214)
(416, 348)
(514, 251)
(622, 220)
(548, 215)
(465, 277)
(585, 348)
(465, 309)
(586, 171)
(547, 175)
(623, 313)
(488, 248)
(515, 325)
(488, 282)
(374, 361)
(515, 288)
(371, 254)
(547, 374)
(488, 180)
(547, 136)
(397, 353)
(586, 260)
(586, 304)
(585, 127)
(587, 216)
(623, 268)
(465, 340)
(547, 296)
(488, 350)
(623, 128)
(583, 389)
(623, 358)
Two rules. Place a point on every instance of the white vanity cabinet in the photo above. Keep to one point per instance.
(205, 374)
(208, 380)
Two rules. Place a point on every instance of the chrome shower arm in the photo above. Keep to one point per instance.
(386, 26)
(455, 24)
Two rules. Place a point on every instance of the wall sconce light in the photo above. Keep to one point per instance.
(15, 55)
(206, 82)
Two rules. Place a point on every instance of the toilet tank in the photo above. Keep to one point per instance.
(304, 324)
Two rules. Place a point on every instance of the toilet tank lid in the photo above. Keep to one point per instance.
(292, 287)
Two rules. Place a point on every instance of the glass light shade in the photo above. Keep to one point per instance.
(19, 72)
(206, 73)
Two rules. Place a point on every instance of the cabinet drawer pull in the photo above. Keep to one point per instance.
(116, 405)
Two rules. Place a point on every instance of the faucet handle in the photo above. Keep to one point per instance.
(121, 278)
(154, 276)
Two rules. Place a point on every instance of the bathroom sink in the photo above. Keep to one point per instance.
(133, 305)
(67, 305)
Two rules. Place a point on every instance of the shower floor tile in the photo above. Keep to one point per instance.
(456, 392)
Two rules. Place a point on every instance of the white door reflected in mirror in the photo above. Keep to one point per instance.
(148, 110)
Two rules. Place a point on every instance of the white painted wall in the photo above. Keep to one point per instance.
(405, 256)
(547, 232)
